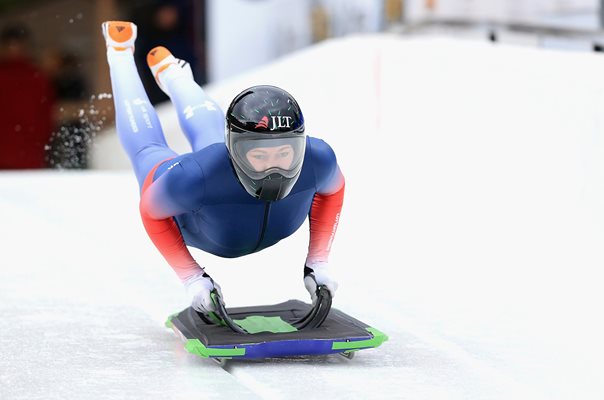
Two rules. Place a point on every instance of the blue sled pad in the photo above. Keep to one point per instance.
(272, 333)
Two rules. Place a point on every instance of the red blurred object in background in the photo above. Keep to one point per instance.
(26, 104)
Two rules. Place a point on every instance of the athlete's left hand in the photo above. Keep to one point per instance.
(316, 274)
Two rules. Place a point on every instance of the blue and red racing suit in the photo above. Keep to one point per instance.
(195, 199)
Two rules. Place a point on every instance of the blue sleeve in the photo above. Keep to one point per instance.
(327, 172)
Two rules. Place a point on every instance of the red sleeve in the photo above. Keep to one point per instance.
(166, 236)
(324, 217)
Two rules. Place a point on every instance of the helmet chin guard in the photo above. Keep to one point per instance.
(271, 189)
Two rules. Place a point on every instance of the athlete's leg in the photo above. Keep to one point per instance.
(136, 121)
(200, 118)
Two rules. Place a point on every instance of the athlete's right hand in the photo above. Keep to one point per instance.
(199, 288)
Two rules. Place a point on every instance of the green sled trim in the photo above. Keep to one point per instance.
(194, 346)
(168, 322)
(378, 339)
(259, 323)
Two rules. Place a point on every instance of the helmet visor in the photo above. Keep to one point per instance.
(259, 158)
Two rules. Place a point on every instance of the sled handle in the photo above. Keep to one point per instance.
(313, 319)
(224, 315)
(317, 315)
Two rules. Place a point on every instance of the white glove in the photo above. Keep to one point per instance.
(199, 288)
(316, 274)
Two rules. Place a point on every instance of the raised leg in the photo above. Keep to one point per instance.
(137, 124)
(200, 118)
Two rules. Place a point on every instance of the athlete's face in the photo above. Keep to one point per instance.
(263, 158)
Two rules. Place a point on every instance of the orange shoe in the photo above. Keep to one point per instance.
(119, 35)
(160, 59)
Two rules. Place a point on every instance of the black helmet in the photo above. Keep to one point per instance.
(266, 141)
